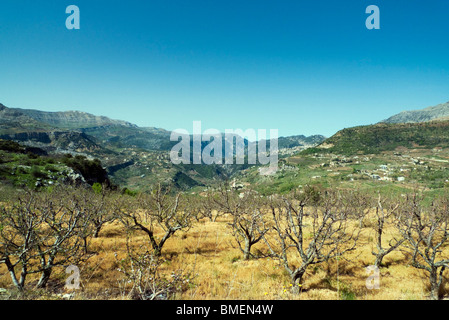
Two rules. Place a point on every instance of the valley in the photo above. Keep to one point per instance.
(209, 231)
(134, 157)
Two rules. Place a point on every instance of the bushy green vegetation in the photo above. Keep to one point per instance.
(374, 139)
(11, 146)
(19, 166)
(92, 170)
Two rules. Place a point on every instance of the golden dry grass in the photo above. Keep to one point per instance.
(209, 252)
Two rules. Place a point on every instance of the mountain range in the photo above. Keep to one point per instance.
(134, 156)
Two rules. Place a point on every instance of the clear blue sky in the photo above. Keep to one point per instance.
(303, 67)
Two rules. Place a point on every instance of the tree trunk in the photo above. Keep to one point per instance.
(46, 273)
(379, 257)
(434, 285)
(247, 250)
(23, 276)
(158, 246)
(157, 252)
(297, 278)
(97, 231)
(18, 284)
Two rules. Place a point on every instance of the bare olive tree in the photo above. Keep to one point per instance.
(158, 209)
(383, 215)
(142, 278)
(204, 205)
(61, 237)
(102, 207)
(213, 206)
(249, 217)
(40, 231)
(314, 227)
(426, 233)
(19, 223)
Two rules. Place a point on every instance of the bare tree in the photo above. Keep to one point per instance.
(44, 227)
(204, 205)
(102, 207)
(143, 279)
(426, 233)
(316, 226)
(101, 213)
(382, 217)
(158, 209)
(61, 236)
(213, 205)
(249, 222)
(18, 224)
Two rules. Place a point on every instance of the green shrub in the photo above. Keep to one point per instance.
(97, 188)
(37, 173)
(129, 192)
(347, 294)
(50, 168)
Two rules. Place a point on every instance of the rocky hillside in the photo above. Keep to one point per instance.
(33, 167)
(439, 112)
(72, 119)
(57, 141)
(380, 137)
(300, 141)
(14, 121)
(84, 130)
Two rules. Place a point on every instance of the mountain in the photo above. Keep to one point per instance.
(58, 141)
(300, 141)
(22, 127)
(77, 131)
(439, 112)
(119, 136)
(134, 157)
(13, 121)
(116, 133)
(373, 139)
(72, 119)
(426, 128)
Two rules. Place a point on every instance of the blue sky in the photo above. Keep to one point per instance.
(303, 67)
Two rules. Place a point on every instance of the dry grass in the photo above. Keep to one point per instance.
(209, 252)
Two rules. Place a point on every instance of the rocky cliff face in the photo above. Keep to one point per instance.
(65, 140)
(42, 137)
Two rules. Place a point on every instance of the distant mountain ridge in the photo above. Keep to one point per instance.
(72, 119)
(438, 112)
(115, 132)
(300, 140)
(14, 121)
(134, 156)
(21, 124)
